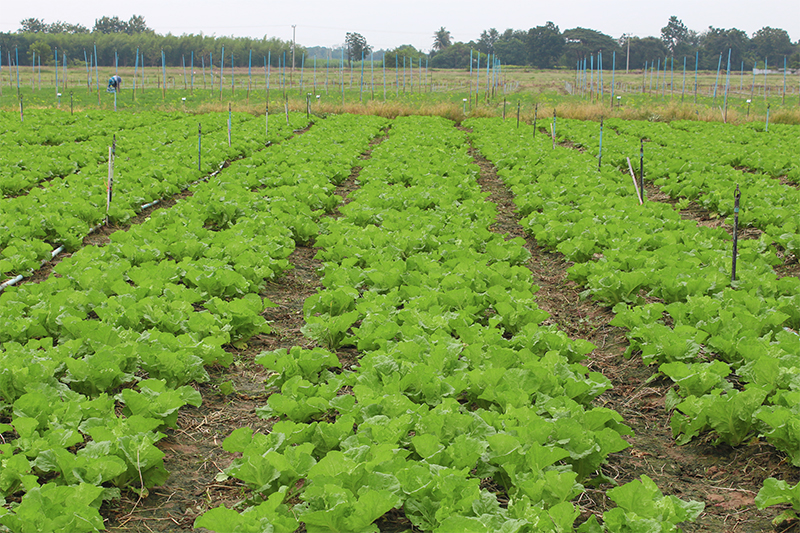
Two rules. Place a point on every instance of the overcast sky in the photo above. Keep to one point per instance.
(390, 24)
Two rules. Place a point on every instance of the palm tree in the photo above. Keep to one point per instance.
(441, 39)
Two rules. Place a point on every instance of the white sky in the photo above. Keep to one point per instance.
(390, 24)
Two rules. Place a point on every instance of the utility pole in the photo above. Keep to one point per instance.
(294, 26)
(628, 54)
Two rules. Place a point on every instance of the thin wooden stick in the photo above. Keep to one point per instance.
(635, 185)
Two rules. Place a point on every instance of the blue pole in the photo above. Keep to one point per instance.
(361, 86)
(191, 68)
(784, 81)
(601, 74)
(88, 72)
(233, 76)
(671, 75)
(696, 60)
(96, 73)
(478, 78)
(488, 62)
(645, 76)
(302, 66)
(716, 80)
(586, 72)
(116, 63)
(727, 82)
(470, 73)
(269, 69)
(56, 52)
(396, 76)
(250, 70)
(683, 88)
(613, 72)
(221, 70)
(135, 70)
(741, 78)
(164, 70)
(411, 72)
(658, 71)
(341, 74)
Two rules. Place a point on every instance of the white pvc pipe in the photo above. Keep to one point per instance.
(151, 204)
(10, 282)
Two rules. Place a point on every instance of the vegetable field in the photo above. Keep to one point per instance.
(354, 323)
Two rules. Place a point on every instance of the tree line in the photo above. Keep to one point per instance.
(545, 46)
(116, 42)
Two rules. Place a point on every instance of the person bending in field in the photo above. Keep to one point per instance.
(114, 84)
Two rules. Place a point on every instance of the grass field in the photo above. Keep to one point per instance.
(452, 93)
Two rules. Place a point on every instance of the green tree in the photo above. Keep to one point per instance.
(109, 25)
(32, 25)
(441, 39)
(136, 24)
(648, 49)
(43, 52)
(356, 46)
(545, 45)
(66, 27)
(512, 47)
(582, 42)
(487, 40)
(772, 44)
(717, 41)
(454, 56)
(674, 33)
(400, 52)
